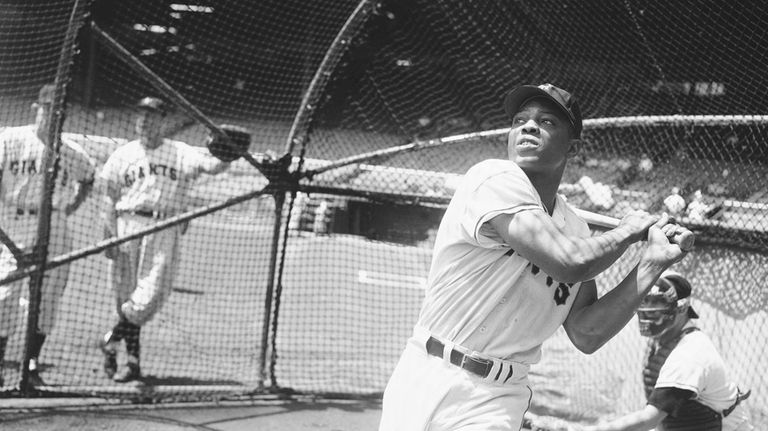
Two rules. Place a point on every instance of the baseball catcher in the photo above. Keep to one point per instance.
(231, 145)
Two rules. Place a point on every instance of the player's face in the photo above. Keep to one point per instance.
(149, 124)
(540, 138)
(42, 111)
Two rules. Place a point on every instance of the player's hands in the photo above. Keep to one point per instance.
(637, 223)
(661, 251)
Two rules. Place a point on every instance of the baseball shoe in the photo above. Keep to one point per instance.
(110, 355)
(35, 379)
(130, 373)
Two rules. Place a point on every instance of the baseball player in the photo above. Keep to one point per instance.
(511, 263)
(22, 151)
(143, 181)
(686, 381)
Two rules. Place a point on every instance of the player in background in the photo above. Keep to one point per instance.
(511, 263)
(22, 152)
(687, 384)
(143, 181)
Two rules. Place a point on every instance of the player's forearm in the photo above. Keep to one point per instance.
(641, 420)
(594, 325)
(591, 256)
(109, 217)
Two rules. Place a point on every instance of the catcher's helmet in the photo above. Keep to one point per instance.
(668, 298)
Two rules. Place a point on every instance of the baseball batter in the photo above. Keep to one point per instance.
(686, 381)
(511, 263)
(143, 181)
(22, 152)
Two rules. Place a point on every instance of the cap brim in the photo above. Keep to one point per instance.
(517, 97)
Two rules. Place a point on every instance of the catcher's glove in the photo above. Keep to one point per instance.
(232, 145)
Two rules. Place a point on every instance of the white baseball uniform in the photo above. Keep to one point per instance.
(153, 183)
(484, 300)
(21, 186)
(695, 365)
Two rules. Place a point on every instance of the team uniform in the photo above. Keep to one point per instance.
(485, 315)
(692, 363)
(153, 184)
(21, 187)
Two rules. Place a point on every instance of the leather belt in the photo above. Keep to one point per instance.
(148, 214)
(481, 367)
(741, 396)
(23, 212)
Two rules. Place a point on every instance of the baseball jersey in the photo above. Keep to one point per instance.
(695, 365)
(480, 293)
(21, 169)
(154, 179)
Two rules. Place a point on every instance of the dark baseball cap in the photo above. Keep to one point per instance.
(682, 288)
(517, 98)
(152, 104)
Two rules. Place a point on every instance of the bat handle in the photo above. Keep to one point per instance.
(684, 239)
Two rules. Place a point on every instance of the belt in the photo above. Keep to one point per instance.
(148, 214)
(29, 212)
(479, 366)
(741, 396)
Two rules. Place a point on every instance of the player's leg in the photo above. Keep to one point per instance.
(9, 304)
(154, 282)
(123, 269)
(54, 283)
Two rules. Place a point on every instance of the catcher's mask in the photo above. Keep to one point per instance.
(668, 298)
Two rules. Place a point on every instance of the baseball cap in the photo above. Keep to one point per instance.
(682, 288)
(152, 104)
(565, 100)
(46, 94)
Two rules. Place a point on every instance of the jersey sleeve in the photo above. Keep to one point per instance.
(669, 400)
(110, 172)
(195, 161)
(683, 368)
(79, 165)
(495, 187)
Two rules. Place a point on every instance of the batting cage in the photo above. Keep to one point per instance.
(299, 267)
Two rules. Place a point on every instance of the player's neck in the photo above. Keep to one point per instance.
(546, 184)
(151, 143)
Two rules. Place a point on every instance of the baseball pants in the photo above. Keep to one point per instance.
(426, 392)
(143, 270)
(22, 228)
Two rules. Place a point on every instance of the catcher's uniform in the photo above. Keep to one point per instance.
(21, 186)
(695, 365)
(485, 315)
(152, 184)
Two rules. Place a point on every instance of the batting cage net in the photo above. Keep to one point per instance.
(300, 267)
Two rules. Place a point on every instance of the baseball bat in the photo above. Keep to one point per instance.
(163, 87)
(685, 240)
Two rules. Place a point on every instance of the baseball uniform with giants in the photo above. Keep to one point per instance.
(479, 330)
(21, 186)
(152, 184)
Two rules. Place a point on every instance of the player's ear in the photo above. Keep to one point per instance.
(575, 148)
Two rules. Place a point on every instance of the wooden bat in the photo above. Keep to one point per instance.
(163, 87)
(685, 240)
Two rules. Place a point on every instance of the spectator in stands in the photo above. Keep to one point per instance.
(697, 209)
(674, 203)
(687, 384)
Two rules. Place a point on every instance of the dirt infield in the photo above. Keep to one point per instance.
(263, 415)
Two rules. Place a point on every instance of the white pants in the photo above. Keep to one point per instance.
(22, 229)
(426, 392)
(143, 270)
